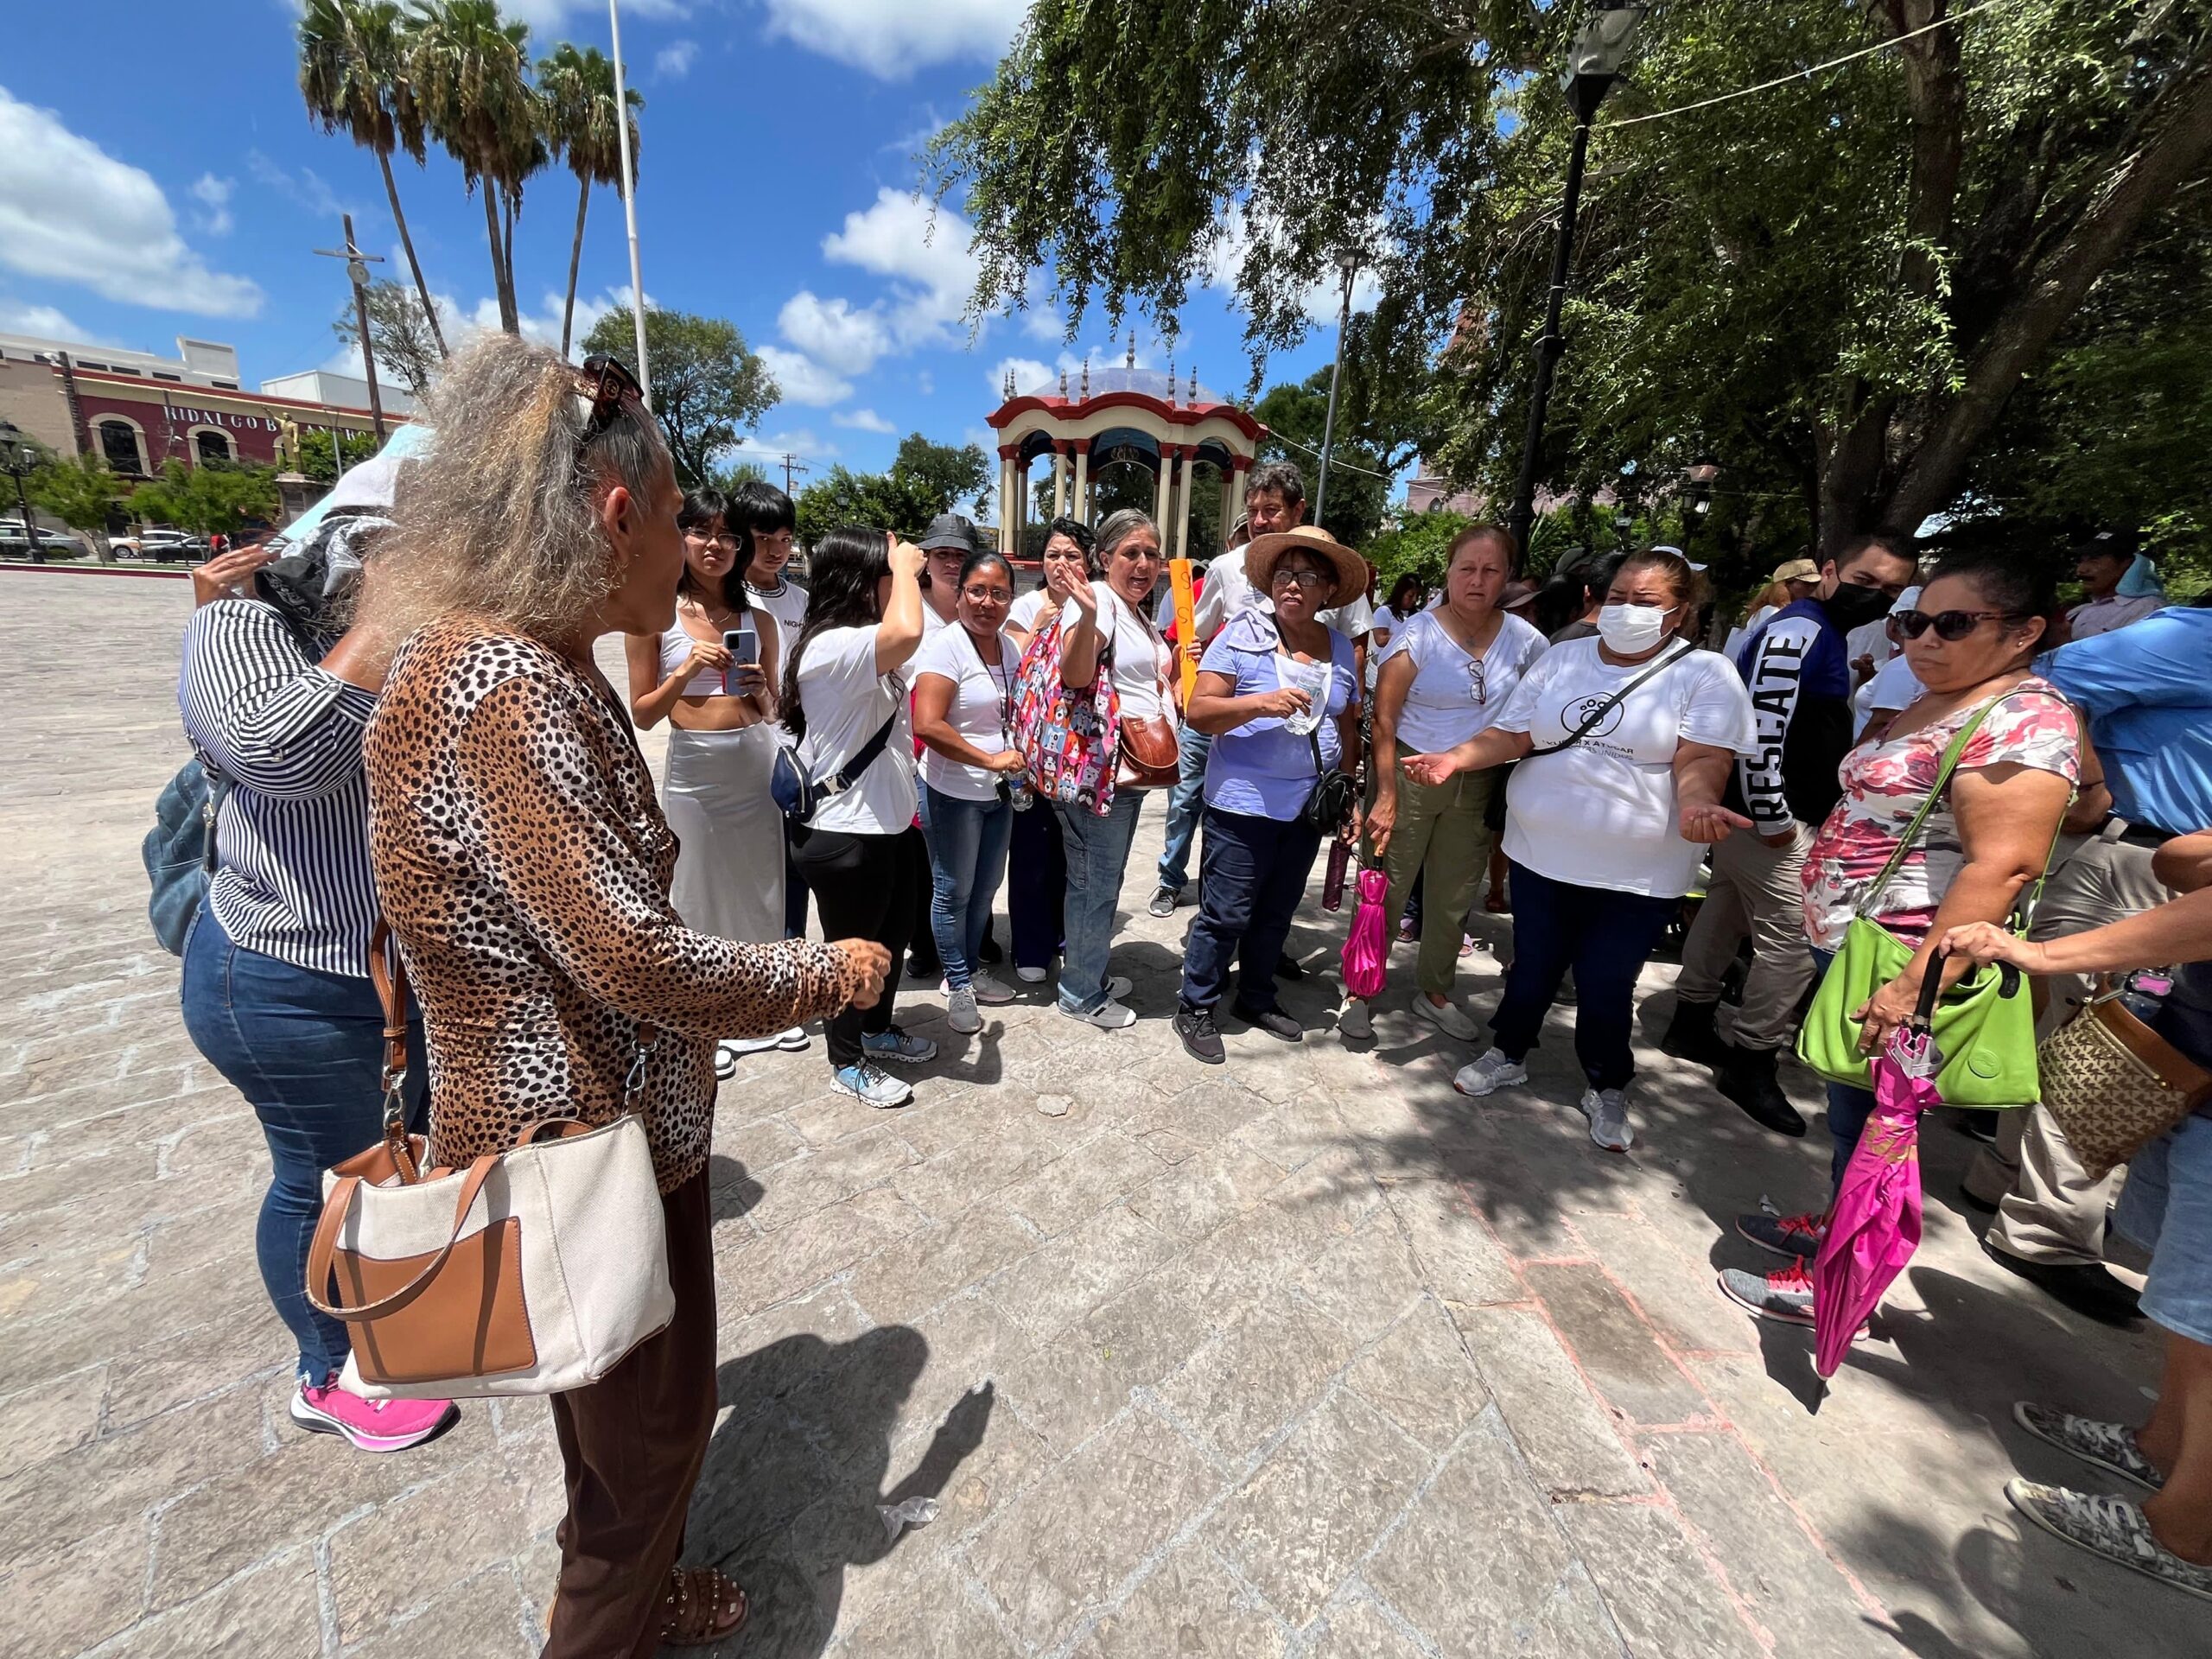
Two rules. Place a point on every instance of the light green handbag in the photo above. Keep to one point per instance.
(1985, 1024)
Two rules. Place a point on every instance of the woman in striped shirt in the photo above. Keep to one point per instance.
(277, 992)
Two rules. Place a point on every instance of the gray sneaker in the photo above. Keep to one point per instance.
(2110, 1526)
(1109, 1015)
(1493, 1070)
(1163, 901)
(991, 993)
(2108, 1446)
(896, 1045)
(960, 1011)
(1607, 1110)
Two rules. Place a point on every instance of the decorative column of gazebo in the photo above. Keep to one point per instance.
(1119, 415)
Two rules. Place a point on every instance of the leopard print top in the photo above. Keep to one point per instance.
(523, 863)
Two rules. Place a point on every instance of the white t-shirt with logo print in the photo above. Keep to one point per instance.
(787, 603)
(1604, 813)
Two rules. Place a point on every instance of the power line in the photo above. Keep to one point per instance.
(1808, 74)
(1334, 461)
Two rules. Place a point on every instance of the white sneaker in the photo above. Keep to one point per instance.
(1030, 975)
(737, 1046)
(1607, 1110)
(960, 1011)
(1109, 1016)
(793, 1042)
(990, 992)
(1492, 1071)
(1447, 1018)
(1357, 1021)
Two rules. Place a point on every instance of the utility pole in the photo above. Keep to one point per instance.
(792, 465)
(357, 267)
(630, 206)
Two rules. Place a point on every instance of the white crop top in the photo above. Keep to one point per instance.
(674, 651)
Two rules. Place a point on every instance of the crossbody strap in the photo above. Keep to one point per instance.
(1598, 715)
(864, 757)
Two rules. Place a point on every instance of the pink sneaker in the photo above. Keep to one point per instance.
(371, 1425)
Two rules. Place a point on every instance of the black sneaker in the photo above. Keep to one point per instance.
(1691, 1035)
(1200, 1038)
(2082, 1286)
(1273, 1021)
(1163, 901)
(1288, 967)
(1746, 1077)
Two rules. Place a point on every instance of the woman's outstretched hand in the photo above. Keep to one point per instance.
(1430, 769)
(870, 962)
(1709, 822)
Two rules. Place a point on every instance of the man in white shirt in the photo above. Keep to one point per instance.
(765, 521)
(2104, 563)
(1274, 500)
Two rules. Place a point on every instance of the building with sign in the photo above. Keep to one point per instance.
(1124, 416)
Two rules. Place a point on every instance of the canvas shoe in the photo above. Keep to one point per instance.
(1788, 1235)
(371, 1425)
(870, 1084)
(2108, 1446)
(2110, 1526)
(1273, 1021)
(1784, 1295)
(896, 1045)
(1029, 975)
(960, 1011)
(990, 992)
(1607, 1110)
(1448, 1019)
(1492, 1071)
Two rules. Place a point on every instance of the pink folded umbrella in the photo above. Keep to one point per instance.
(1874, 1227)
(1366, 955)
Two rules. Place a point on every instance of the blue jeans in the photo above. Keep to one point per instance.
(1848, 1108)
(1099, 857)
(2166, 1208)
(1037, 887)
(968, 842)
(306, 1049)
(1607, 938)
(1185, 804)
(1250, 879)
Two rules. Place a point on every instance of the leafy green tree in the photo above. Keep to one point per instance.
(211, 498)
(319, 454)
(351, 76)
(81, 493)
(709, 389)
(1416, 547)
(575, 90)
(730, 476)
(949, 474)
(1361, 471)
(469, 68)
(843, 499)
(1834, 288)
(405, 336)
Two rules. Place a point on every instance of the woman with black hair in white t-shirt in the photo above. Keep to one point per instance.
(1623, 743)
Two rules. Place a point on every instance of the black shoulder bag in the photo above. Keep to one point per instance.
(1597, 717)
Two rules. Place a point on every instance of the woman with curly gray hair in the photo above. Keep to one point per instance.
(523, 862)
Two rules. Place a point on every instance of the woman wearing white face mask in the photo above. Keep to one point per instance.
(1625, 742)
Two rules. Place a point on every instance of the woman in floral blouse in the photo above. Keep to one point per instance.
(524, 862)
(1988, 837)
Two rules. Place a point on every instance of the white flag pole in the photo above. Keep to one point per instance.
(629, 202)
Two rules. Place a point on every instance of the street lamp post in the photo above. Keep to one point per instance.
(1349, 264)
(1594, 63)
(18, 459)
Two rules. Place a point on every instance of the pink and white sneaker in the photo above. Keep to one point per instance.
(371, 1425)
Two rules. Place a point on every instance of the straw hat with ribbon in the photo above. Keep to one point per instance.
(1268, 551)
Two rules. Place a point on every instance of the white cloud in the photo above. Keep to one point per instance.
(891, 38)
(864, 420)
(214, 194)
(802, 380)
(1029, 375)
(1321, 299)
(46, 322)
(552, 14)
(306, 189)
(674, 61)
(926, 383)
(69, 211)
(833, 334)
(924, 249)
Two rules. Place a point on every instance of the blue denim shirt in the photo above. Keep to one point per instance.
(1262, 769)
(2147, 691)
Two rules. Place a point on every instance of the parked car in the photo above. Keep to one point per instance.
(165, 544)
(51, 543)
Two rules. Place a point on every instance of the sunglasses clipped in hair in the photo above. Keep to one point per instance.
(1949, 625)
(603, 383)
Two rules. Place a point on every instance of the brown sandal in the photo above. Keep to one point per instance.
(703, 1607)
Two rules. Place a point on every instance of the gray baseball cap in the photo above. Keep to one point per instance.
(949, 530)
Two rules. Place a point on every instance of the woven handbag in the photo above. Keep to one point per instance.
(2113, 1085)
(532, 1271)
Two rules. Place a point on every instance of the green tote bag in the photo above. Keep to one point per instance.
(1985, 1024)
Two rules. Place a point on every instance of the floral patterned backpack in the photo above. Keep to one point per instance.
(1068, 735)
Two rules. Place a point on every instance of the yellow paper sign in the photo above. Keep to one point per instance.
(1178, 573)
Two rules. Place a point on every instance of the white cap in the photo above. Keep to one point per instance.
(1905, 600)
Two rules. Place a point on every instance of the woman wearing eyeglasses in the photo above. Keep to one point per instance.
(1988, 835)
(729, 872)
(964, 713)
(1445, 677)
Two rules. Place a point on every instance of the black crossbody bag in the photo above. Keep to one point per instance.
(1597, 717)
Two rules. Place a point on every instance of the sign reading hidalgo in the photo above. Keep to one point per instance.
(183, 415)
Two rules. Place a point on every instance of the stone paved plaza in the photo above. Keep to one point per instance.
(1303, 1357)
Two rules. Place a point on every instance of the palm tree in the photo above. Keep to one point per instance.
(351, 76)
(467, 68)
(575, 90)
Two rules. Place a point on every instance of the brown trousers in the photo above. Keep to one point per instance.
(632, 1443)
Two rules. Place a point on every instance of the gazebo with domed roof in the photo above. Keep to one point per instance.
(1122, 416)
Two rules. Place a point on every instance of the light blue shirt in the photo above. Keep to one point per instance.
(2147, 689)
(1262, 769)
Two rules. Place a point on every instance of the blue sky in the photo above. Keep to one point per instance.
(159, 176)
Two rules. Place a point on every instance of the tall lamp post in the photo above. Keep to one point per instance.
(19, 459)
(1592, 66)
(1349, 264)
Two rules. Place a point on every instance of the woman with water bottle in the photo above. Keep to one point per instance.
(1279, 695)
(972, 781)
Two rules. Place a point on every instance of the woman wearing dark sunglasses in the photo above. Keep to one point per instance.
(1988, 836)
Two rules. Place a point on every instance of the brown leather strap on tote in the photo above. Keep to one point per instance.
(339, 1205)
(388, 973)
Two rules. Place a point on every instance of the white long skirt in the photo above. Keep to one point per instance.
(729, 869)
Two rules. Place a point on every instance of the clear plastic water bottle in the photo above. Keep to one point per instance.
(2143, 993)
(1017, 791)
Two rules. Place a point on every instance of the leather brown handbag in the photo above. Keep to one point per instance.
(534, 1270)
(1149, 757)
(2113, 1085)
